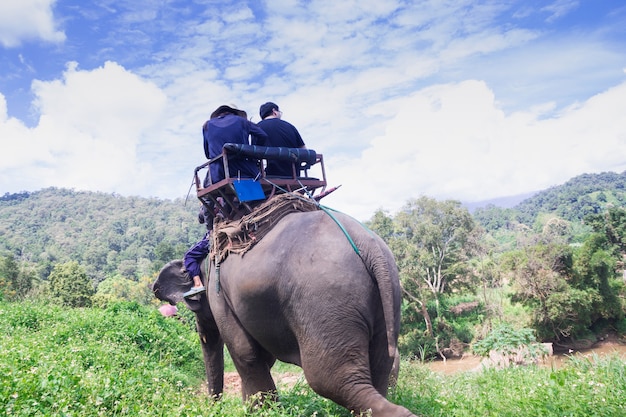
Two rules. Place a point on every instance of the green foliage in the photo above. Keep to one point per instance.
(432, 242)
(568, 314)
(128, 360)
(584, 388)
(566, 289)
(577, 198)
(118, 288)
(454, 326)
(106, 233)
(494, 218)
(15, 280)
(71, 285)
(508, 341)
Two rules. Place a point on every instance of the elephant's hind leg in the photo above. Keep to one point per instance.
(253, 364)
(344, 376)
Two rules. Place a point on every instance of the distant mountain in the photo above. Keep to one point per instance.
(504, 202)
(580, 196)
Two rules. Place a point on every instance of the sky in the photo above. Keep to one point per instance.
(449, 99)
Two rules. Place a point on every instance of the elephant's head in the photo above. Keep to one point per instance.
(172, 282)
(170, 285)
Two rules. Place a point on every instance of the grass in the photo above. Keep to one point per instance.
(130, 361)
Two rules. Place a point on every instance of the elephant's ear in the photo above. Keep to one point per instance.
(172, 282)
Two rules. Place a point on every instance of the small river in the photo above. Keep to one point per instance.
(557, 360)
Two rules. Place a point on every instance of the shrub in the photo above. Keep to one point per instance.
(508, 341)
(71, 285)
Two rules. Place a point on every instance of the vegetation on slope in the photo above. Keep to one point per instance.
(128, 360)
(552, 264)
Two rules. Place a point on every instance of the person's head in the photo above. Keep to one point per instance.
(269, 109)
(224, 110)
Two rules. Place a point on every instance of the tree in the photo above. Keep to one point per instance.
(611, 223)
(595, 269)
(437, 236)
(432, 242)
(71, 285)
(566, 290)
(540, 275)
(118, 288)
(15, 280)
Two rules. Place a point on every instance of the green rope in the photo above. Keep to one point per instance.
(343, 229)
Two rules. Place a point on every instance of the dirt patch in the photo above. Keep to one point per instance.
(232, 381)
(464, 308)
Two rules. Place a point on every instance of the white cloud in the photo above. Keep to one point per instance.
(27, 20)
(450, 99)
(559, 8)
(452, 141)
(91, 124)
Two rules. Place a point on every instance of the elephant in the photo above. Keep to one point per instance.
(320, 291)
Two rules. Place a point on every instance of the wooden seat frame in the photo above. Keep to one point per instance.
(231, 208)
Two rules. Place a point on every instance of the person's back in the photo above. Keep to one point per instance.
(228, 125)
(279, 133)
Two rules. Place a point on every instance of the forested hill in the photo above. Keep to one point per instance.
(134, 236)
(578, 197)
(106, 233)
(572, 201)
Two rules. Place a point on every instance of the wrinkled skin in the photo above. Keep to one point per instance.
(303, 295)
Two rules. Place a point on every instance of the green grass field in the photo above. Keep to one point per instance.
(128, 360)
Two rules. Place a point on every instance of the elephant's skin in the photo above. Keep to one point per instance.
(303, 295)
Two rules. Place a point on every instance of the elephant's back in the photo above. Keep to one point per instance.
(310, 254)
(309, 276)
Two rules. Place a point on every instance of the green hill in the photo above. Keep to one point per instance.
(106, 233)
(572, 201)
(134, 236)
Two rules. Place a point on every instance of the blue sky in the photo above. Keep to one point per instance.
(467, 100)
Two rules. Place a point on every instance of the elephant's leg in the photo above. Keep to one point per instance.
(213, 354)
(253, 364)
(344, 376)
(384, 369)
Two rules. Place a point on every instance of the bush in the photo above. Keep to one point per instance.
(71, 285)
(508, 341)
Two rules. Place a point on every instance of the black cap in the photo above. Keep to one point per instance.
(266, 109)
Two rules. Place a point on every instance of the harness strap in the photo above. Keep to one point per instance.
(327, 210)
(217, 265)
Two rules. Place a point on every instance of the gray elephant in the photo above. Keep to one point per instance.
(320, 291)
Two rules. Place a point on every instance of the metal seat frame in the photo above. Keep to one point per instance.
(221, 198)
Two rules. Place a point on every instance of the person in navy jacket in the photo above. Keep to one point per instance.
(279, 133)
(193, 263)
(229, 125)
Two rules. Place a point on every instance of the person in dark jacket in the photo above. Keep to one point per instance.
(193, 263)
(229, 125)
(279, 133)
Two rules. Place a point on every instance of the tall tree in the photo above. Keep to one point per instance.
(15, 279)
(432, 242)
(439, 242)
(71, 285)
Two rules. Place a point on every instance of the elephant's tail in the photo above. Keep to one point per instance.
(382, 268)
(381, 265)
